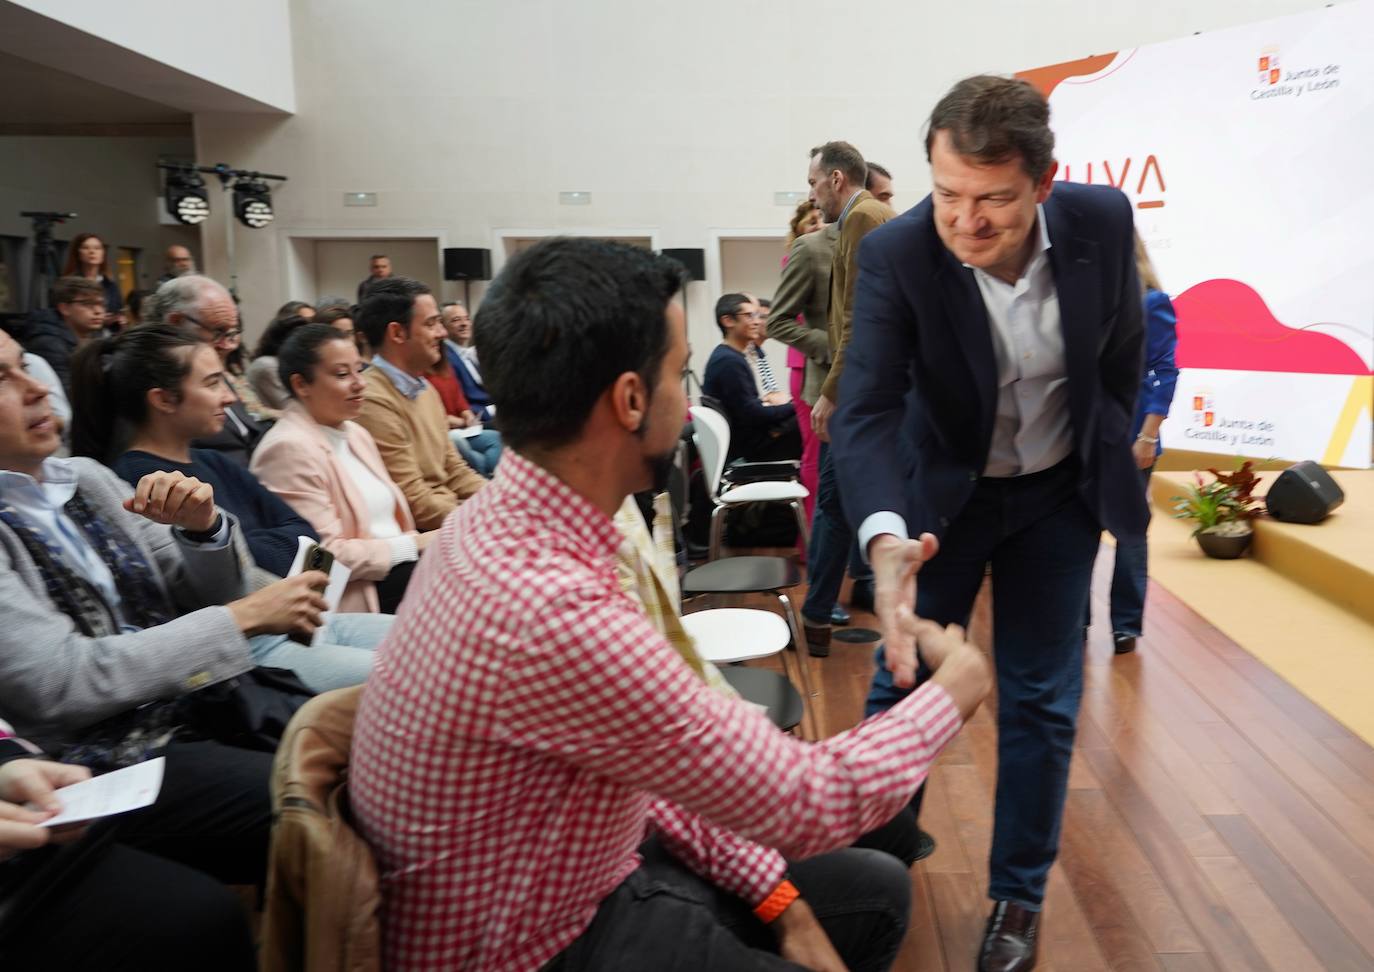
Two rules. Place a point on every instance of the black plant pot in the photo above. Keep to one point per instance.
(1222, 547)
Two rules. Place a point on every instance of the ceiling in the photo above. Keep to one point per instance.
(36, 99)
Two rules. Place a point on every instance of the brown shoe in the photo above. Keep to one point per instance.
(1010, 942)
(817, 639)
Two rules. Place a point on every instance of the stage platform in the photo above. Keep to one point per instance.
(1302, 601)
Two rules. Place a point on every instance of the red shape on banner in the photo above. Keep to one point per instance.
(1264, 64)
(1048, 78)
(1208, 418)
(1274, 76)
(1226, 325)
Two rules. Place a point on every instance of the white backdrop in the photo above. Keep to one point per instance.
(1247, 154)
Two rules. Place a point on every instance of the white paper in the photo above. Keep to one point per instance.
(333, 593)
(103, 796)
(467, 432)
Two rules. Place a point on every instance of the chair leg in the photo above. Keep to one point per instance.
(803, 661)
(717, 528)
(800, 513)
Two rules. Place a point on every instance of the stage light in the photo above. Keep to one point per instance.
(253, 203)
(186, 198)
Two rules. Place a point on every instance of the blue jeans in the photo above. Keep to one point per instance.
(1040, 539)
(342, 658)
(831, 543)
(482, 451)
(1130, 577)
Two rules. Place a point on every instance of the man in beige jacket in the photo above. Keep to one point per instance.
(402, 411)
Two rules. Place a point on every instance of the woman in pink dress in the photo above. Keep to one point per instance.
(807, 219)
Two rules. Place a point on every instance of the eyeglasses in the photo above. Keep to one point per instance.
(214, 336)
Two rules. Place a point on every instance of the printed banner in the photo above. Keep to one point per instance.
(1246, 153)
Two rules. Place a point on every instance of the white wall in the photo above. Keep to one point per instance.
(340, 265)
(112, 183)
(243, 47)
(472, 115)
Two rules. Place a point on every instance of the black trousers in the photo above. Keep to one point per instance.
(666, 918)
(392, 587)
(214, 813)
(122, 909)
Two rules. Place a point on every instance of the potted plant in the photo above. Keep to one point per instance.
(1222, 510)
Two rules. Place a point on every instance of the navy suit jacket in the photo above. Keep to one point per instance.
(477, 395)
(918, 397)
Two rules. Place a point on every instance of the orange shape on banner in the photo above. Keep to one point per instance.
(1264, 64)
(1207, 418)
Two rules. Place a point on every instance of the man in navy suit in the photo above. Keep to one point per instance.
(986, 410)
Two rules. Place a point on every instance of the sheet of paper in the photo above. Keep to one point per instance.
(117, 792)
(470, 431)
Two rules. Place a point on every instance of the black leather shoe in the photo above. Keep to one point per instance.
(1123, 644)
(1010, 942)
(925, 845)
(861, 596)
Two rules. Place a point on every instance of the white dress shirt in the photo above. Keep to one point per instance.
(1031, 431)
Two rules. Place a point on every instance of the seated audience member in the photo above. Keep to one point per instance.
(757, 431)
(160, 387)
(133, 306)
(77, 315)
(295, 308)
(326, 465)
(100, 905)
(88, 258)
(42, 372)
(338, 317)
(462, 354)
(524, 695)
(262, 373)
(770, 392)
(232, 356)
(480, 448)
(204, 308)
(120, 603)
(402, 410)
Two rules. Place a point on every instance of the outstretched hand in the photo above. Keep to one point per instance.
(895, 564)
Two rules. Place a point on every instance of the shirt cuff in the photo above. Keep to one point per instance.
(404, 549)
(218, 540)
(876, 524)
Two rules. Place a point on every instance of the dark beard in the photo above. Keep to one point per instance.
(662, 468)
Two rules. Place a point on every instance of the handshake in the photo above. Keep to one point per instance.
(959, 667)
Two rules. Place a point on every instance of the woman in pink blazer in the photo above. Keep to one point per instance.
(327, 468)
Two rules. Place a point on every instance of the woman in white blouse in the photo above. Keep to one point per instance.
(327, 467)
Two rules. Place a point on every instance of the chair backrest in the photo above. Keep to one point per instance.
(711, 433)
(322, 887)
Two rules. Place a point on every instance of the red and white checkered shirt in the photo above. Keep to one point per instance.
(525, 725)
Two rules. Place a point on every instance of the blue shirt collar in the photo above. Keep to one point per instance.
(407, 384)
(57, 487)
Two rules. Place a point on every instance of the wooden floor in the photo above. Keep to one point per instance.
(1216, 819)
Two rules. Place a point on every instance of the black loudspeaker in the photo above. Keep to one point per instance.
(466, 263)
(1304, 493)
(693, 260)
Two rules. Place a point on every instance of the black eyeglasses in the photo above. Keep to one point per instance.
(214, 336)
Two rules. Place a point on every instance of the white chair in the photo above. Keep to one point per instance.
(724, 636)
(711, 433)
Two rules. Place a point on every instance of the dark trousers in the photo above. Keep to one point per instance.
(1041, 540)
(1130, 578)
(663, 917)
(832, 541)
(214, 813)
(779, 443)
(123, 909)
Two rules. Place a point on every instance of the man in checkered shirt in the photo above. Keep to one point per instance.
(525, 728)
